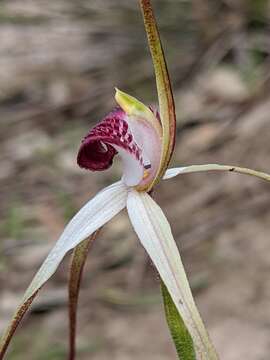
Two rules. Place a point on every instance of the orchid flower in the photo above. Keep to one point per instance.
(144, 140)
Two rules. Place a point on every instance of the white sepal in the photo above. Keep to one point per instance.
(170, 173)
(155, 235)
(94, 214)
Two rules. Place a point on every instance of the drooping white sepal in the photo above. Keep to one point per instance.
(155, 235)
(94, 214)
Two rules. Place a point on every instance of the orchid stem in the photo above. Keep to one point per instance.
(78, 260)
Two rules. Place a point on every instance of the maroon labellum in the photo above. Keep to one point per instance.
(132, 137)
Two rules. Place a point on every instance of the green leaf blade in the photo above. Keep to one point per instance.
(180, 335)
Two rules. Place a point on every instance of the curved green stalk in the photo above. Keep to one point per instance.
(78, 260)
(165, 95)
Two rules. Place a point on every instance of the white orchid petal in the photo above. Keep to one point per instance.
(170, 173)
(155, 235)
(94, 214)
(215, 167)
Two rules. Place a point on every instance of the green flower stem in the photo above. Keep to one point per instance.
(79, 256)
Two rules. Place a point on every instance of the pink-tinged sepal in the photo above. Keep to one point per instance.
(129, 134)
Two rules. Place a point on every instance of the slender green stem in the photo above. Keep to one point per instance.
(78, 260)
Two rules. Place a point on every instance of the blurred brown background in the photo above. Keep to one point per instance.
(59, 63)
